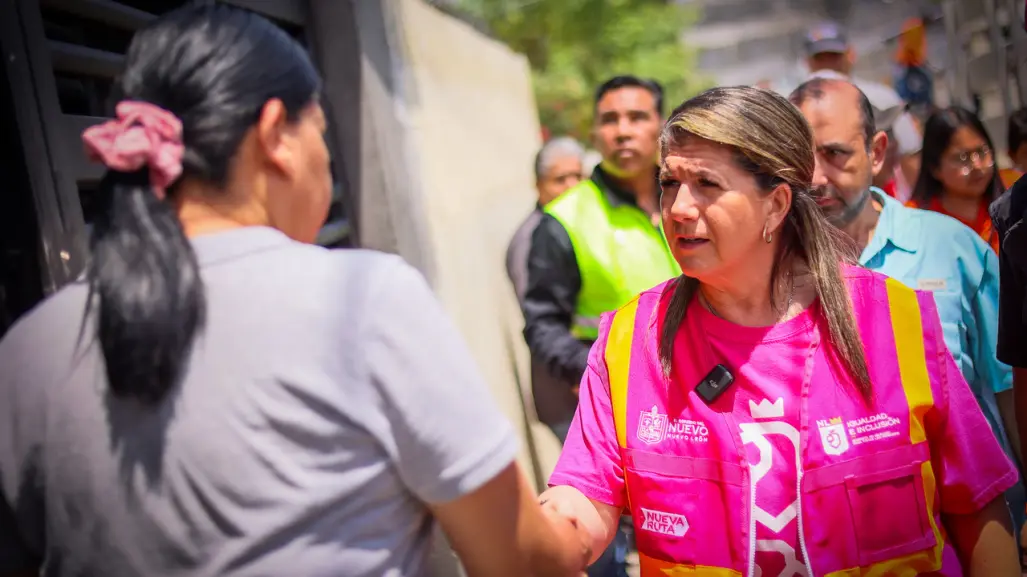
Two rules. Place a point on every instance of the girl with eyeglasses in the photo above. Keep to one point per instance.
(957, 174)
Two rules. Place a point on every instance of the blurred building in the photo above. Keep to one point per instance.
(987, 52)
(749, 41)
(977, 49)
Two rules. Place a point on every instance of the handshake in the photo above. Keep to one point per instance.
(578, 522)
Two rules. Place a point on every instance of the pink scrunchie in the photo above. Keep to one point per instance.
(143, 134)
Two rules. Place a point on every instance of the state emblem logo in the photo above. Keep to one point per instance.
(652, 426)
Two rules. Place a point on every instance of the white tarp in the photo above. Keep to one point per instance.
(472, 131)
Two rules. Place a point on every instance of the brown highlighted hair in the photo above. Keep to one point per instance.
(774, 143)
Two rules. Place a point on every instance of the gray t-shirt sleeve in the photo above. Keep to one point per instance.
(21, 509)
(446, 432)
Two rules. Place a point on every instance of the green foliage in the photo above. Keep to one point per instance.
(574, 45)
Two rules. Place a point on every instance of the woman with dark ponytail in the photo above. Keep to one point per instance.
(143, 274)
(218, 396)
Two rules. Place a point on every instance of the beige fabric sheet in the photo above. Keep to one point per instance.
(472, 132)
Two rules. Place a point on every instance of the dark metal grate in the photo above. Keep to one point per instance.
(87, 40)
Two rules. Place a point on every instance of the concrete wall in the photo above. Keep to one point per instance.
(470, 121)
(448, 131)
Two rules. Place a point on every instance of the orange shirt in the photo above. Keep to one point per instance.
(1009, 177)
(981, 225)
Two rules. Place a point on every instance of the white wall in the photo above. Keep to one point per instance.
(472, 131)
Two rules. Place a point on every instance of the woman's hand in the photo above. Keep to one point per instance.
(596, 521)
(500, 531)
(984, 541)
(582, 538)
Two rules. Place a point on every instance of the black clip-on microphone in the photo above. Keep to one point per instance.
(714, 384)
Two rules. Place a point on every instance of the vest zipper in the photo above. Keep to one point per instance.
(803, 441)
(752, 526)
(802, 529)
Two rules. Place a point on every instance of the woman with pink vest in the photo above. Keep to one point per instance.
(774, 411)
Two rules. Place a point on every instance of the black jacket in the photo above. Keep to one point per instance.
(1009, 217)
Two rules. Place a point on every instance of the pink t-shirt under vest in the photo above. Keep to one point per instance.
(772, 362)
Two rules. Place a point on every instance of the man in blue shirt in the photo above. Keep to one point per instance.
(924, 250)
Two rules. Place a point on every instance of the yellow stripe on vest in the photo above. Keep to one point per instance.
(618, 364)
(907, 327)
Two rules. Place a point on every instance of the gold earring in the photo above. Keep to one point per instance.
(767, 235)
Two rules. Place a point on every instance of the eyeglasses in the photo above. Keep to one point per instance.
(967, 160)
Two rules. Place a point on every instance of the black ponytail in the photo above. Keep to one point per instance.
(214, 67)
(146, 282)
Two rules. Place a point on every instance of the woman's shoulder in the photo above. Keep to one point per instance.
(858, 276)
(381, 270)
(372, 261)
(657, 292)
(342, 271)
(868, 289)
(647, 303)
(646, 297)
(860, 279)
(39, 347)
(365, 287)
(48, 320)
(873, 293)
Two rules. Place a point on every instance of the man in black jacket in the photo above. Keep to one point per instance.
(1009, 216)
(625, 132)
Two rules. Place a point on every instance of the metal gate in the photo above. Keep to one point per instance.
(987, 53)
(61, 59)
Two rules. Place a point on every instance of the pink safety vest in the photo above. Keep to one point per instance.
(864, 508)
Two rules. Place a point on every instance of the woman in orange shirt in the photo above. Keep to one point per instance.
(1009, 176)
(957, 173)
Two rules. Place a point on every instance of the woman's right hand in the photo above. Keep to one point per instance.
(596, 522)
(571, 529)
(499, 530)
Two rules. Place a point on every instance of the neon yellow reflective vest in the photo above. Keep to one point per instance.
(619, 252)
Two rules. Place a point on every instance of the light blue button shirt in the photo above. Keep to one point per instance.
(930, 251)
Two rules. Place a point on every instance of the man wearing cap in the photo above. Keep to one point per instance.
(922, 249)
(830, 55)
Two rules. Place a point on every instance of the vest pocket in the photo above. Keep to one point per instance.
(686, 511)
(885, 492)
(890, 513)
